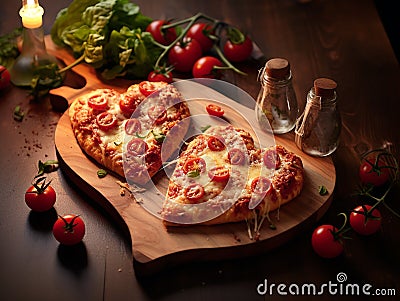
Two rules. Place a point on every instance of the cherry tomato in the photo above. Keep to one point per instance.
(271, 159)
(157, 113)
(184, 54)
(216, 143)
(160, 76)
(324, 242)
(261, 185)
(236, 156)
(128, 103)
(98, 102)
(106, 121)
(238, 51)
(200, 32)
(132, 126)
(147, 88)
(205, 67)
(364, 223)
(4, 78)
(373, 173)
(219, 174)
(194, 192)
(69, 229)
(40, 196)
(164, 37)
(215, 110)
(137, 147)
(194, 164)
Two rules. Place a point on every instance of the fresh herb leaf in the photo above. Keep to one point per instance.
(101, 173)
(322, 190)
(193, 173)
(46, 167)
(205, 128)
(159, 137)
(9, 48)
(18, 114)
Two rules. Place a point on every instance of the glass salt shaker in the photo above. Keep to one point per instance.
(318, 128)
(276, 107)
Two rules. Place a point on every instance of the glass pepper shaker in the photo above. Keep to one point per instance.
(276, 107)
(318, 128)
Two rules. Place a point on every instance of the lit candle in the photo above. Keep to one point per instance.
(31, 13)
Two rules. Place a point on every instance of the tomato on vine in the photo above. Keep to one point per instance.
(161, 74)
(40, 196)
(238, 47)
(207, 67)
(69, 229)
(201, 33)
(164, 37)
(326, 241)
(374, 171)
(365, 221)
(184, 54)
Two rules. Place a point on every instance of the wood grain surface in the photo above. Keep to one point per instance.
(152, 243)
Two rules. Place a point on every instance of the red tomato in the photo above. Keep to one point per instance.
(40, 196)
(157, 113)
(4, 78)
(132, 126)
(184, 54)
(207, 67)
(194, 192)
(200, 32)
(215, 110)
(128, 103)
(98, 102)
(164, 37)
(147, 88)
(216, 144)
(219, 174)
(238, 52)
(372, 172)
(271, 159)
(365, 223)
(69, 229)
(261, 185)
(324, 242)
(137, 147)
(106, 121)
(160, 76)
(195, 164)
(236, 156)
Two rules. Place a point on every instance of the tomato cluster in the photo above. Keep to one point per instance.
(41, 197)
(197, 49)
(374, 173)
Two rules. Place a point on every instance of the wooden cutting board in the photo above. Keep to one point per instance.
(153, 245)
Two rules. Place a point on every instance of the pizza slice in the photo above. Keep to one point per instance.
(222, 177)
(124, 132)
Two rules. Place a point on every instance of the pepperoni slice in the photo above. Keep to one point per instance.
(194, 192)
(106, 121)
(98, 102)
(195, 165)
(219, 174)
(236, 156)
(137, 147)
(157, 113)
(216, 143)
(132, 126)
(261, 185)
(271, 159)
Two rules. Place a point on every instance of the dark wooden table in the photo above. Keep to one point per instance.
(344, 40)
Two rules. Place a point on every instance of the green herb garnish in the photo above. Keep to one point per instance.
(205, 128)
(18, 114)
(101, 173)
(46, 167)
(322, 190)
